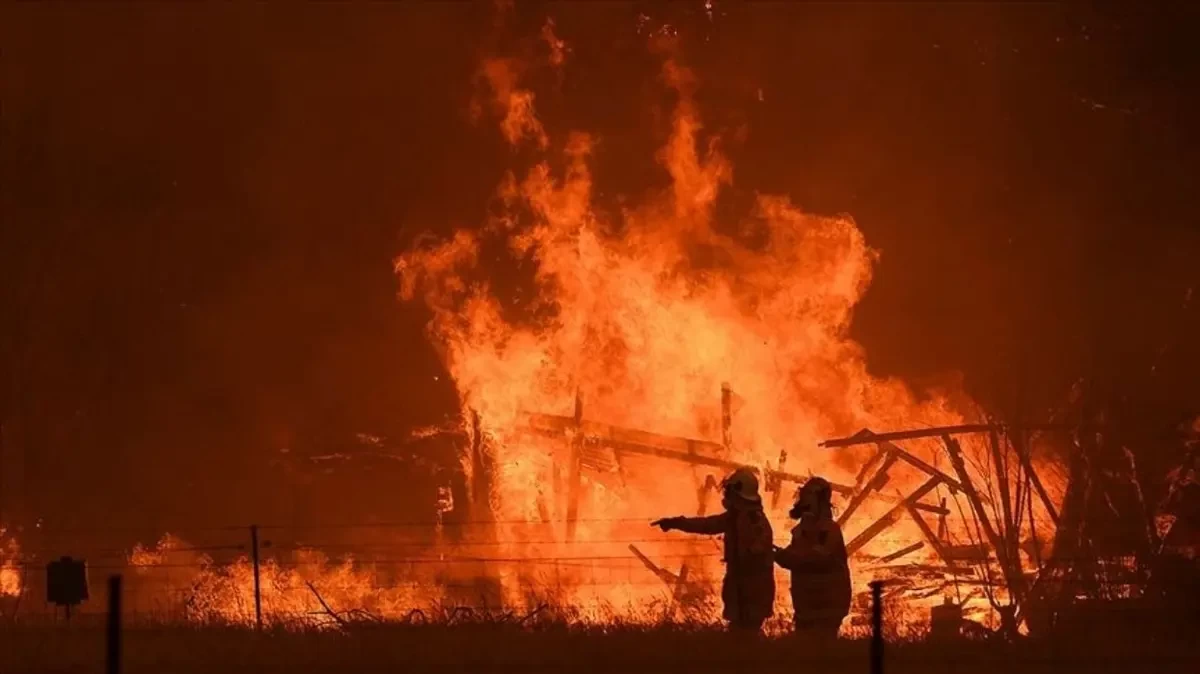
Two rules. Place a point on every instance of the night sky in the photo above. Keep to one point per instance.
(200, 208)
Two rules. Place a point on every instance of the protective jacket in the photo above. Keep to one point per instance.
(820, 572)
(748, 589)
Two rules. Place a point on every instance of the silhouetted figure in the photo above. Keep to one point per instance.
(748, 589)
(817, 559)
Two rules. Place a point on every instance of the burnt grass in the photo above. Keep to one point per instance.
(505, 648)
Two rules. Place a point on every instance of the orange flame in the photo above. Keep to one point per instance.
(645, 312)
(10, 571)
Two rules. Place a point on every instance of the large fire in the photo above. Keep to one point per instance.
(637, 317)
(651, 316)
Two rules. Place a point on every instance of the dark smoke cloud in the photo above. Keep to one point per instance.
(201, 205)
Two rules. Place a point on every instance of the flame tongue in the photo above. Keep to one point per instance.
(645, 315)
(648, 313)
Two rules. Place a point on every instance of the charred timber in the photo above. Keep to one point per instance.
(892, 451)
(1013, 577)
(873, 485)
(866, 437)
(575, 468)
(927, 532)
(630, 441)
(890, 518)
(1022, 448)
(889, 558)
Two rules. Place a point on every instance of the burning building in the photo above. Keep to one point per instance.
(648, 346)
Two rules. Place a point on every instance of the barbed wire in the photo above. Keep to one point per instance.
(781, 520)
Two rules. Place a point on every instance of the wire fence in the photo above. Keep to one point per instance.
(396, 567)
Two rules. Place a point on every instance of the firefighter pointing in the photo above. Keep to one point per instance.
(748, 589)
(817, 559)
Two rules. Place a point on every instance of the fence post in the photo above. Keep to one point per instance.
(257, 587)
(113, 659)
(877, 627)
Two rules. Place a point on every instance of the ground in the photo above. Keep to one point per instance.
(80, 648)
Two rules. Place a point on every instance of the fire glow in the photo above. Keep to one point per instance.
(639, 316)
(10, 574)
(652, 316)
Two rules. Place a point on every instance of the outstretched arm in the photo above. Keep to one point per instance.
(713, 524)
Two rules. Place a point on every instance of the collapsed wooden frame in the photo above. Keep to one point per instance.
(602, 447)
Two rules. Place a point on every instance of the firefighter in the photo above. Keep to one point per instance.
(748, 589)
(817, 559)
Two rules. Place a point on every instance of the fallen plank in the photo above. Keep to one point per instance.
(903, 551)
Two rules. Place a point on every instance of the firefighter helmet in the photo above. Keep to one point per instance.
(742, 483)
(813, 497)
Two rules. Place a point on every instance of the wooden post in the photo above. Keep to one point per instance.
(258, 621)
(479, 484)
(574, 469)
(1011, 568)
(113, 655)
(876, 627)
(1027, 463)
(1010, 537)
(777, 483)
(726, 417)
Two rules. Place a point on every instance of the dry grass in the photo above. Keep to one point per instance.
(555, 647)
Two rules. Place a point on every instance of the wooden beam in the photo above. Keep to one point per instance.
(1027, 465)
(776, 486)
(922, 465)
(665, 576)
(930, 537)
(973, 552)
(726, 418)
(936, 510)
(890, 517)
(575, 469)
(1009, 537)
(663, 446)
(876, 527)
(710, 485)
(867, 468)
(866, 436)
(891, 557)
(874, 484)
(1013, 576)
(551, 425)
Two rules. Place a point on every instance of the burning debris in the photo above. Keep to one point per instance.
(10, 572)
(614, 359)
(600, 379)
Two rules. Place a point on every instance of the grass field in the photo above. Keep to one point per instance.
(505, 648)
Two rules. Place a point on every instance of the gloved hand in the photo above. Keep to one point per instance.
(667, 523)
